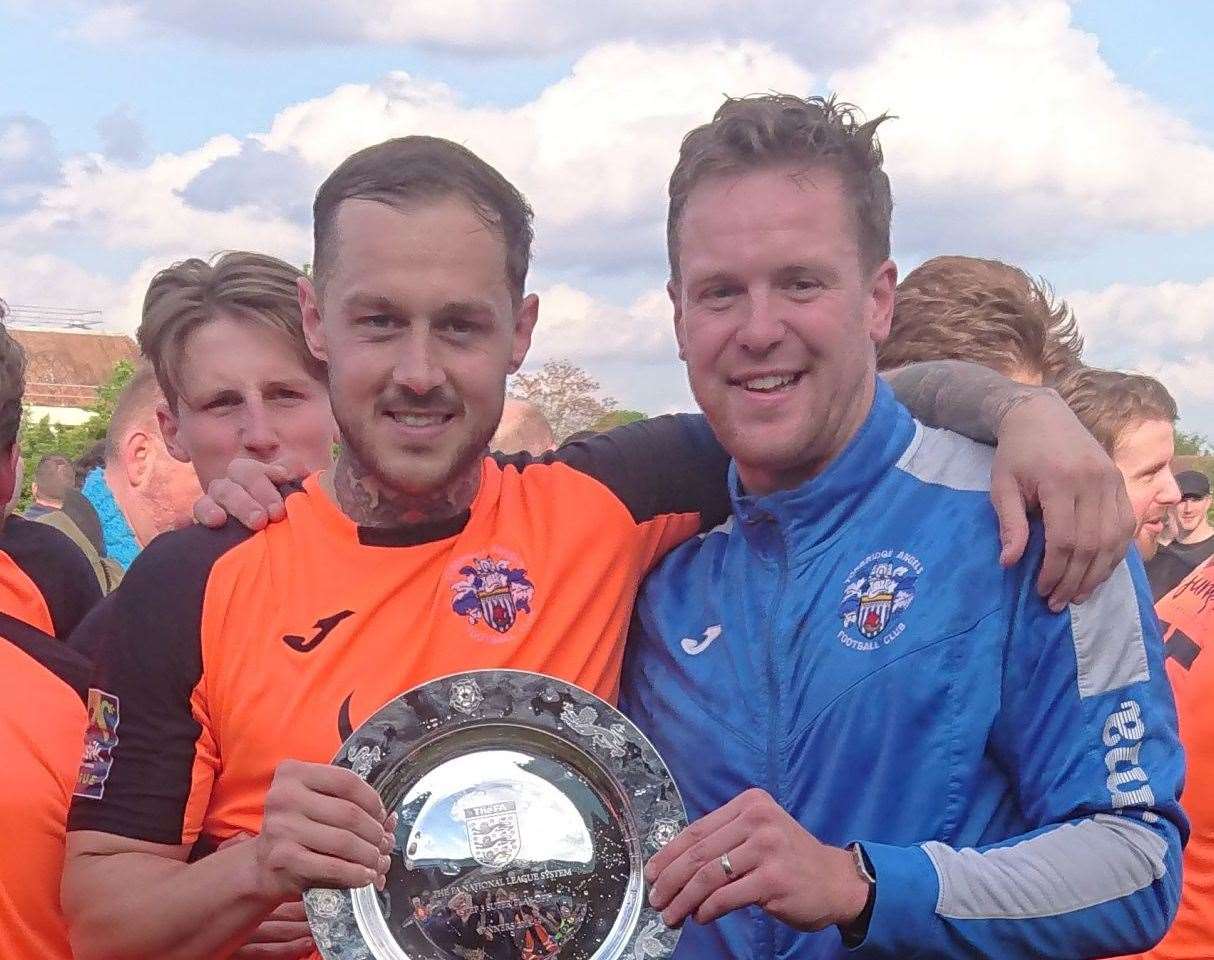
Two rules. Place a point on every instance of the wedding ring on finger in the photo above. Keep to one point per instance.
(727, 866)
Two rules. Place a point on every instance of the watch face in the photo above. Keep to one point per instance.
(526, 811)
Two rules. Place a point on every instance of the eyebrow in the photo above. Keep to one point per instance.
(465, 308)
(718, 276)
(369, 301)
(378, 303)
(1154, 467)
(792, 270)
(295, 383)
(787, 272)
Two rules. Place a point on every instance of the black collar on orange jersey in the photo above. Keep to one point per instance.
(415, 534)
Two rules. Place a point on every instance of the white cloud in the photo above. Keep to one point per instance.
(110, 23)
(827, 31)
(29, 162)
(1013, 136)
(630, 350)
(591, 152)
(128, 208)
(1166, 330)
(123, 138)
(1014, 139)
(575, 324)
(583, 151)
(1134, 318)
(46, 280)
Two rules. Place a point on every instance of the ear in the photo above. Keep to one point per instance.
(10, 473)
(135, 456)
(170, 428)
(882, 289)
(309, 307)
(526, 315)
(674, 290)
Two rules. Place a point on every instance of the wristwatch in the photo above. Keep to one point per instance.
(855, 932)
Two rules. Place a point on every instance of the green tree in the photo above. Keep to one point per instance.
(567, 396)
(617, 418)
(40, 438)
(1192, 444)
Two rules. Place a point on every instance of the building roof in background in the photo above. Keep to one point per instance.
(64, 368)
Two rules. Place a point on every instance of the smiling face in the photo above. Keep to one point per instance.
(1143, 454)
(244, 391)
(416, 321)
(1191, 513)
(777, 318)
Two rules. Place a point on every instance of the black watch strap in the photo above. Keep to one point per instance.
(855, 932)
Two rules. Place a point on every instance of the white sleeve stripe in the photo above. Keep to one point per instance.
(947, 460)
(1072, 867)
(1109, 649)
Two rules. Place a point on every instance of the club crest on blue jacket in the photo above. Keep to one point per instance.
(879, 589)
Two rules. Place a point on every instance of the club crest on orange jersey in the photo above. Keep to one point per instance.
(493, 593)
(100, 738)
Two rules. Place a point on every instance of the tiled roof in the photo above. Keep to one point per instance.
(64, 368)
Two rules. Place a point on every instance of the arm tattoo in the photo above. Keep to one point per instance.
(966, 398)
(366, 501)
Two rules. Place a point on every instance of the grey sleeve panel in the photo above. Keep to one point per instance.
(947, 460)
(1110, 651)
(1071, 867)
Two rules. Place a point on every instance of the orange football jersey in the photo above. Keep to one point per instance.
(1187, 620)
(227, 652)
(42, 721)
(44, 577)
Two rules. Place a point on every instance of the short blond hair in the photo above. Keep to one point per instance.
(1109, 402)
(253, 287)
(983, 311)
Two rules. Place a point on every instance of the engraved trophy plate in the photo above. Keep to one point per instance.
(526, 807)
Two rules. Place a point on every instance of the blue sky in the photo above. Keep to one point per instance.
(1092, 191)
(185, 89)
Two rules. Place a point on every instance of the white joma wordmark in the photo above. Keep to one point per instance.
(694, 647)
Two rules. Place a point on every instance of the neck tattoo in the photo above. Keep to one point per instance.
(369, 503)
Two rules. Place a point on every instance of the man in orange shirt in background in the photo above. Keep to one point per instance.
(1186, 618)
(42, 716)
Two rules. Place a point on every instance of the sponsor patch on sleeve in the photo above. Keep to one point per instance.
(99, 741)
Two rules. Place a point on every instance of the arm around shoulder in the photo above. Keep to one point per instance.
(672, 464)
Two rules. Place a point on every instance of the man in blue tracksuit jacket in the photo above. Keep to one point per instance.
(853, 647)
(891, 746)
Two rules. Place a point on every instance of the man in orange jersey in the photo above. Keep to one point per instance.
(234, 664)
(226, 653)
(45, 580)
(1186, 619)
(45, 584)
(42, 721)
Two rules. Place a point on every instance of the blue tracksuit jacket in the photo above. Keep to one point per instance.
(854, 647)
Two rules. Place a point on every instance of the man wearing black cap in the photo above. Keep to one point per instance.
(1195, 536)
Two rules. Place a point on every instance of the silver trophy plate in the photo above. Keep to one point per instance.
(527, 809)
